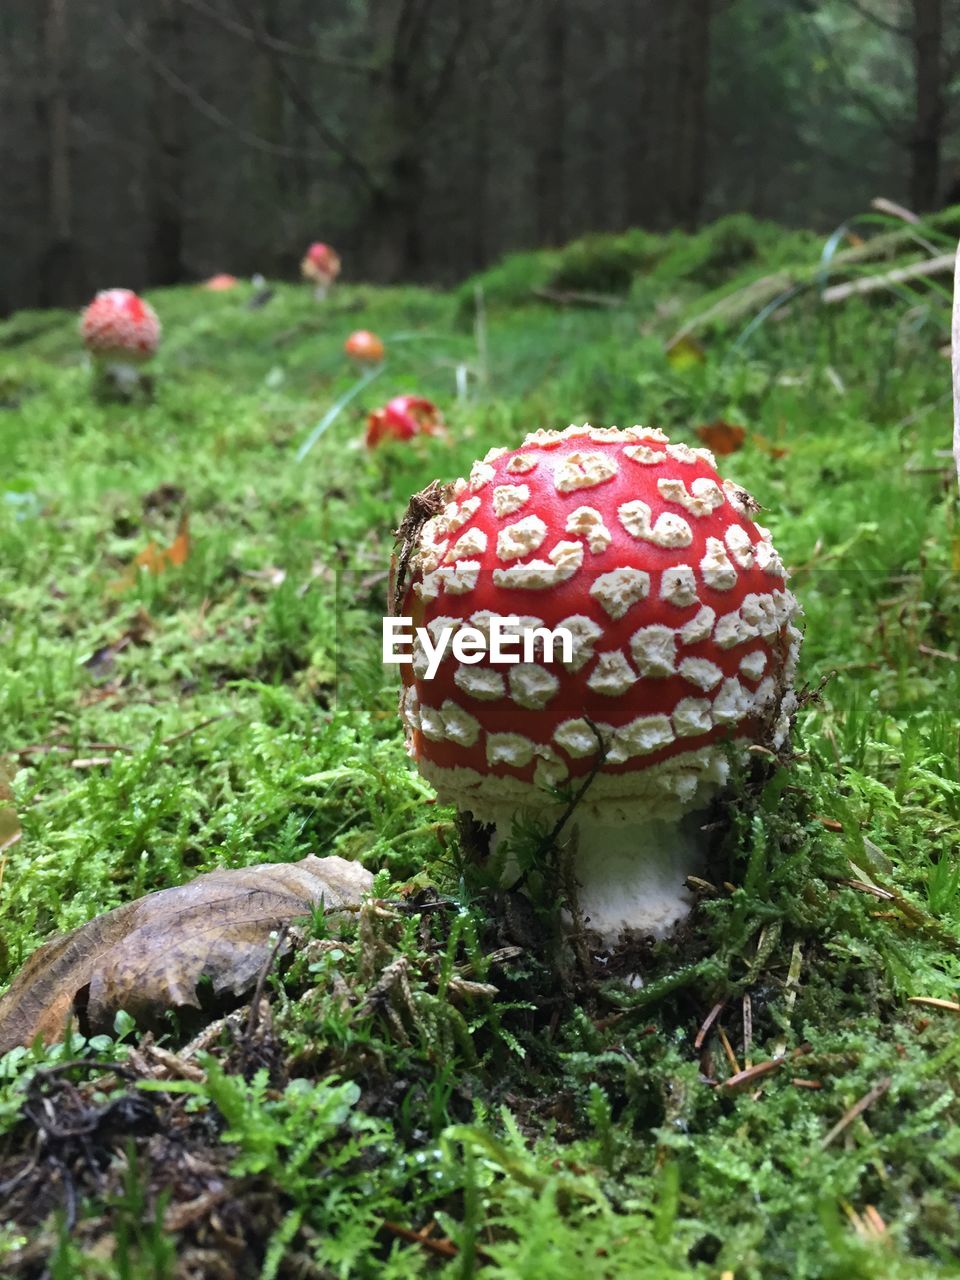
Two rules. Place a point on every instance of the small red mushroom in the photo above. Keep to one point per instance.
(320, 266)
(402, 418)
(121, 332)
(220, 283)
(364, 347)
(680, 654)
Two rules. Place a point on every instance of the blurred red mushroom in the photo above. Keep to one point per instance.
(220, 283)
(364, 347)
(121, 332)
(320, 266)
(402, 418)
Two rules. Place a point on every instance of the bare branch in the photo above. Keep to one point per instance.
(887, 279)
(435, 96)
(207, 109)
(884, 24)
(856, 95)
(308, 112)
(283, 47)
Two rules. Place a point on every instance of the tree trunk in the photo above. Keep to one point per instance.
(394, 238)
(690, 97)
(59, 272)
(274, 196)
(645, 144)
(929, 107)
(165, 231)
(551, 218)
(480, 176)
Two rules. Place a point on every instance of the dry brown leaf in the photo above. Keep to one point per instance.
(156, 559)
(722, 437)
(149, 955)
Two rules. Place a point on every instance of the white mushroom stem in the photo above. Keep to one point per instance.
(320, 291)
(630, 877)
(124, 375)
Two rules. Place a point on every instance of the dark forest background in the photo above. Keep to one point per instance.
(145, 142)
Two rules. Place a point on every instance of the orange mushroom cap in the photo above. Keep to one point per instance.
(220, 283)
(364, 346)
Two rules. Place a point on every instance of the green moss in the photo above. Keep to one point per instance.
(240, 714)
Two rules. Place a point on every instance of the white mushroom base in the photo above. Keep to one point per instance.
(123, 377)
(630, 879)
(638, 835)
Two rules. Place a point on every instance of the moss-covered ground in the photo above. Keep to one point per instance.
(232, 710)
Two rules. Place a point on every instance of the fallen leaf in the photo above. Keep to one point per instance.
(156, 559)
(722, 437)
(149, 955)
(685, 353)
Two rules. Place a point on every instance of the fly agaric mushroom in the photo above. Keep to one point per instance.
(121, 332)
(220, 283)
(364, 347)
(402, 418)
(682, 653)
(320, 266)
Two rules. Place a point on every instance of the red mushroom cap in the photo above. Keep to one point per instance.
(120, 325)
(320, 263)
(365, 346)
(402, 418)
(220, 283)
(676, 602)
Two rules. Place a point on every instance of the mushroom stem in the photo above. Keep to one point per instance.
(630, 878)
(320, 292)
(120, 378)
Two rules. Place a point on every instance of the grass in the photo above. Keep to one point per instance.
(566, 1123)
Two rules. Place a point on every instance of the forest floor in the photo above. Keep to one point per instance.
(226, 706)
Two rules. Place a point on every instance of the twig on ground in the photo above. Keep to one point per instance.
(442, 1248)
(937, 653)
(749, 1075)
(856, 1110)
(886, 279)
(934, 1002)
(265, 971)
(707, 1023)
(186, 733)
(576, 298)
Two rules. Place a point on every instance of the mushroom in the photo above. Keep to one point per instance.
(320, 266)
(402, 418)
(681, 653)
(364, 347)
(220, 283)
(121, 332)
